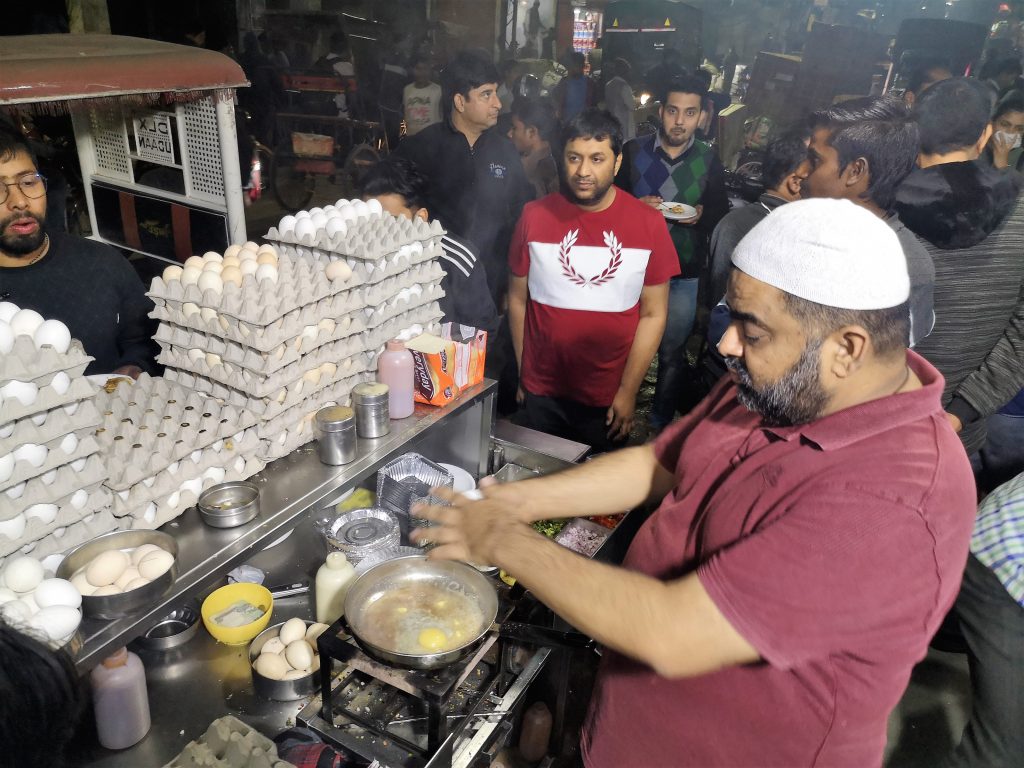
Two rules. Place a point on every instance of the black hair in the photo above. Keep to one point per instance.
(888, 328)
(1000, 65)
(1012, 101)
(597, 124)
(880, 130)
(468, 70)
(575, 59)
(395, 176)
(783, 156)
(953, 114)
(919, 74)
(41, 699)
(704, 76)
(621, 67)
(12, 142)
(539, 114)
(683, 84)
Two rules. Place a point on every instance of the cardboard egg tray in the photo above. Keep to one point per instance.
(46, 400)
(405, 301)
(426, 316)
(229, 743)
(65, 482)
(87, 528)
(274, 378)
(300, 282)
(55, 457)
(337, 393)
(424, 272)
(265, 340)
(170, 497)
(98, 499)
(266, 408)
(369, 237)
(371, 272)
(56, 424)
(27, 362)
(155, 422)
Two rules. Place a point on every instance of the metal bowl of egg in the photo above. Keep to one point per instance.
(278, 678)
(229, 504)
(118, 573)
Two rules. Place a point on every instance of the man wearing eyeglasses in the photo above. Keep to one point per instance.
(88, 286)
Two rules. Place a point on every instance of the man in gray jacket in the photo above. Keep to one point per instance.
(861, 151)
(971, 219)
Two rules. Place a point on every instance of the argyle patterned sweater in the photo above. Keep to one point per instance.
(696, 177)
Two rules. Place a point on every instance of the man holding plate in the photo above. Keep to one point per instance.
(682, 177)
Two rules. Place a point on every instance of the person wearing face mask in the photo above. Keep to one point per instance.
(1007, 127)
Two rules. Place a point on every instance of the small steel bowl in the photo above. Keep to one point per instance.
(174, 629)
(126, 603)
(279, 690)
(359, 533)
(229, 504)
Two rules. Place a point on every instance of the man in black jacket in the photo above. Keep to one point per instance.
(88, 286)
(475, 181)
(971, 219)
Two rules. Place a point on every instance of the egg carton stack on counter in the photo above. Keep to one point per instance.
(395, 258)
(165, 444)
(277, 336)
(51, 472)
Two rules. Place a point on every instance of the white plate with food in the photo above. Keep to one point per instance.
(677, 211)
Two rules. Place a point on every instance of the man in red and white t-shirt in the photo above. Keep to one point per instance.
(588, 297)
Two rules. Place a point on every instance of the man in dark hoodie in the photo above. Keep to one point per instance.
(971, 219)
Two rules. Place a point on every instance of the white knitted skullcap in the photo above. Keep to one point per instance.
(831, 252)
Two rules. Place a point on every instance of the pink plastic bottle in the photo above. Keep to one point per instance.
(395, 368)
(120, 699)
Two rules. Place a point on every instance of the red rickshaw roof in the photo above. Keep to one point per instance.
(39, 68)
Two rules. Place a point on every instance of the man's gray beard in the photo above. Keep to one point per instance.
(795, 398)
(17, 246)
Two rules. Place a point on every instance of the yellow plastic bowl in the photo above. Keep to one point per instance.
(224, 598)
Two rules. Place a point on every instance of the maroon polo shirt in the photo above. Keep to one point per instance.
(835, 548)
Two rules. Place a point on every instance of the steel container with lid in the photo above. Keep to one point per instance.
(335, 428)
(359, 533)
(370, 400)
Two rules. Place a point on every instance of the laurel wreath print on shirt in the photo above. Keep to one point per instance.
(565, 260)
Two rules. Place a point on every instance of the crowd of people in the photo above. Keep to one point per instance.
(817, 509)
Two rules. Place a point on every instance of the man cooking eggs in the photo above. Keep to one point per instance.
(88, 286)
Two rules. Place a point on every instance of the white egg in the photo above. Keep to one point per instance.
(266, 272)
(39, 419)
(374, 207)
(299, 654)
(313, 376)
(210, 281)
(174, 499)
(52, 592)
(79, 498)
(33, 453)
(314, 631)
(30, 601)
(189, 308)
(360, 208)
(327, 325)
(149, 481)
(136, 583)
(239, 465)
(25, 322)
(328, 369)
(6, 430)
(248, 267)
(215, 473)
(156, 564)
(141, 551)
(232, 251)
(172, 272)
(196, 456)
(231, 274)
(207, 315)
(213, 360)
(195, 262)
(336, 226)
(60, 383)
(23, 574)
(57, 621)
(79, 464)
(267, 248)
(48, 478)
(82, 584)
(195, 354)
(149, 515)
(292, 630)
(6, 466)
(190, 275)
(248, 254)
(338, 270)
(310, 331)
(249, 245)
(131, 573)
(172, 468)
(15, 527)
(295, 674)
(273, 645)
(7, 595)
(343, 202)
(23, 391)
(44, 513)
(318, 219)
(59, 532)
(303, 228)
(267, 258)
(347, 214)
(17, 612)
(212, 257)
(6, 338)
(69, 443)
(231, 261)
(287, 224)
(53, 333)
(272, 666)
(213, 266)
(15, 491)
(106, 567)
(105, 590)
(8, 310)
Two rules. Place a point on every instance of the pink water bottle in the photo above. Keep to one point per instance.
(120, 700)
(395, 368)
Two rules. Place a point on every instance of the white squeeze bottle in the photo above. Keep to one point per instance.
(396, 368)
(332, 582)
(120, 699)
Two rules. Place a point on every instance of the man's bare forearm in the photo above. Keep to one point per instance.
(645, 345)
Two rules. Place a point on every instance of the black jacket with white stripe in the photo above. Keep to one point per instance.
(467, 298)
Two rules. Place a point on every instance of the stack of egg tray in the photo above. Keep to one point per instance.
(277, 350)
(60, 502)
(396, 258)
(165, 444)
(229, 743)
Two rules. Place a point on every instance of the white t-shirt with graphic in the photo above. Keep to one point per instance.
(422, 107)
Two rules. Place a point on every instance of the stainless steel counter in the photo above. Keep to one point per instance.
(290, 486)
